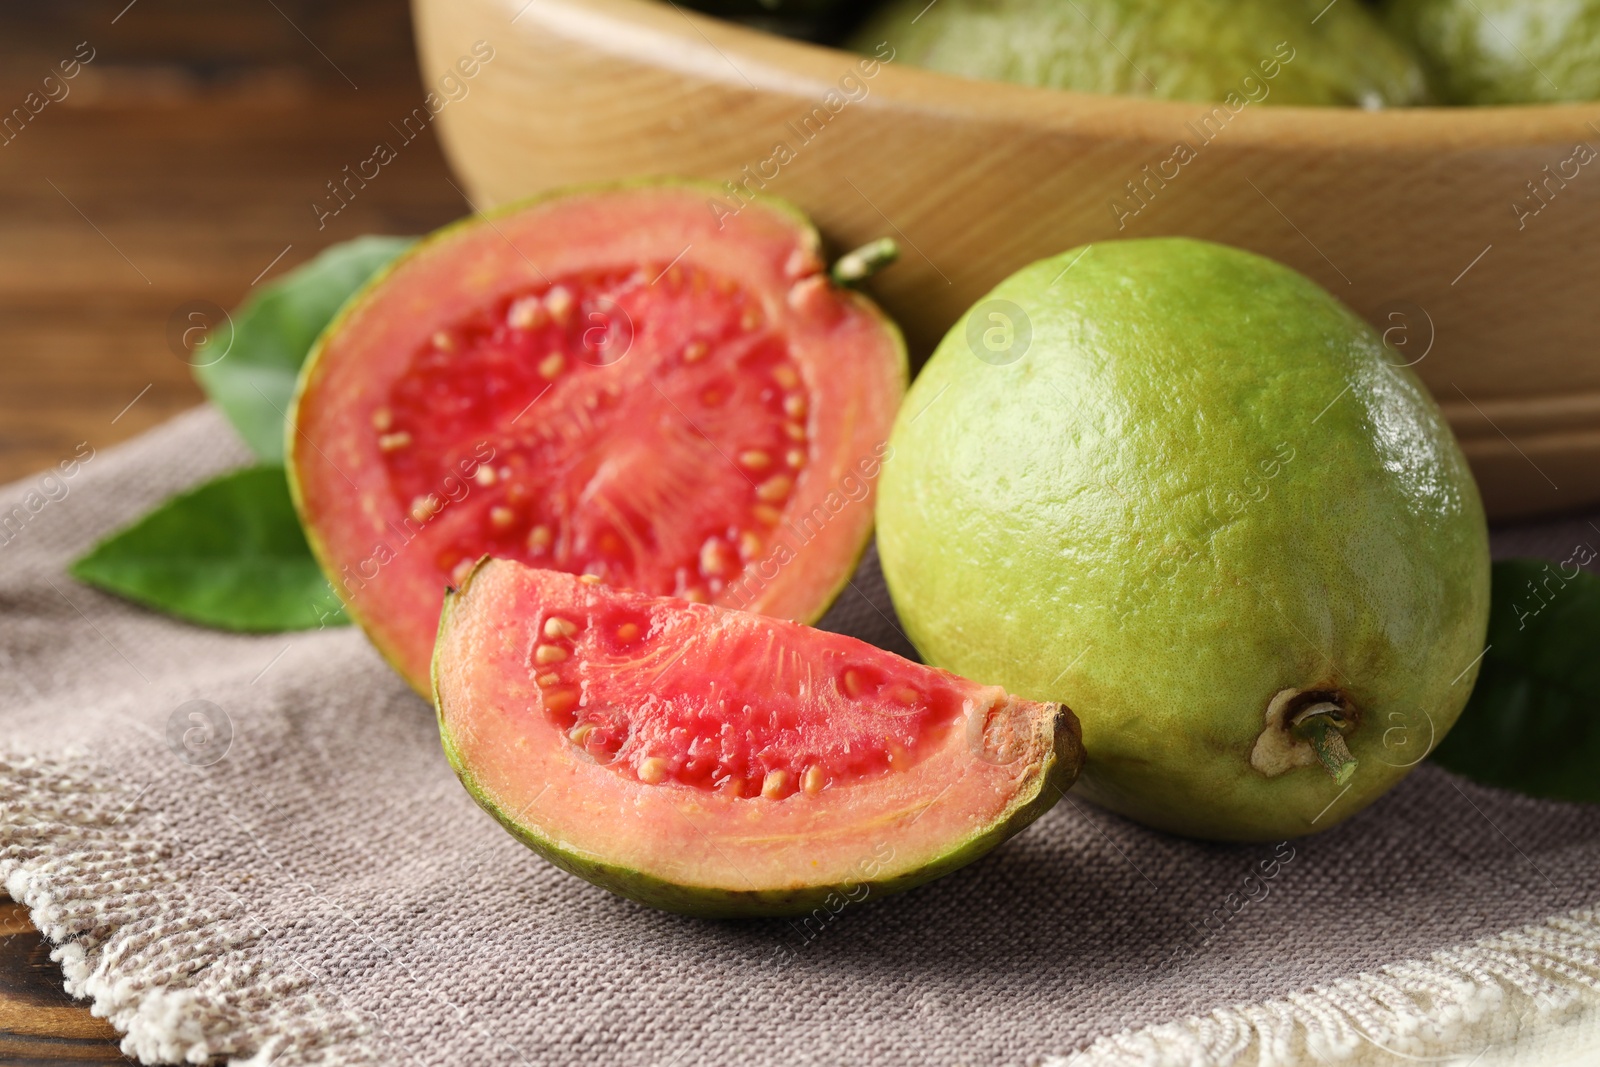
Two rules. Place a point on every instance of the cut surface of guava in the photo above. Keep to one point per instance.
(613, 382)
(719, 762)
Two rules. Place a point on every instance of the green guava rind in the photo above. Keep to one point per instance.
(805, 230)
(1201, 50)
(1058, 772)
(1504, 51)
(1203, 482)
(709, 902)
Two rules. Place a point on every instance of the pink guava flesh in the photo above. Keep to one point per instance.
(612, 383)
(720, 761)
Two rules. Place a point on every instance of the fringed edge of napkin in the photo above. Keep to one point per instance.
(1511, 987)
(177, 968)
(180, 970)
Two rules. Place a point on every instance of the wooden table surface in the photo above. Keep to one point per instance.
(182, 164)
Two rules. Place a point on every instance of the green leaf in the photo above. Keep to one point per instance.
(229, 554)
(1533, 723)
(253, 382)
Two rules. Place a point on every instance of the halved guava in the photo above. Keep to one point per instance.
(719, 762)
(617, 382)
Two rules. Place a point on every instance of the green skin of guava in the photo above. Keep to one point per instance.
(1200, 480)
(715, 902)
(1173, 49)
(1505, 51)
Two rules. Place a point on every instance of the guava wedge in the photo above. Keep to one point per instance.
(717, 762)
(615, 381)
(1219, 517)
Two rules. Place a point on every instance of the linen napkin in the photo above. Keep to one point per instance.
(303, 881)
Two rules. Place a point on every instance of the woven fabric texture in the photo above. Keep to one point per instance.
(326, 892)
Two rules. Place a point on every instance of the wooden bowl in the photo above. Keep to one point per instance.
(1471, 235)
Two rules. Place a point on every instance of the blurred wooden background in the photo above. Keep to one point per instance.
(183, 160)
(181, 164)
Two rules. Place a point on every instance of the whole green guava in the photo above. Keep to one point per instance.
(1505, 51)
(1185, 491)
(1263, 51)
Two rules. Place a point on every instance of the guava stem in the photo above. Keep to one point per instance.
(853, 268)
(1322, 726)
